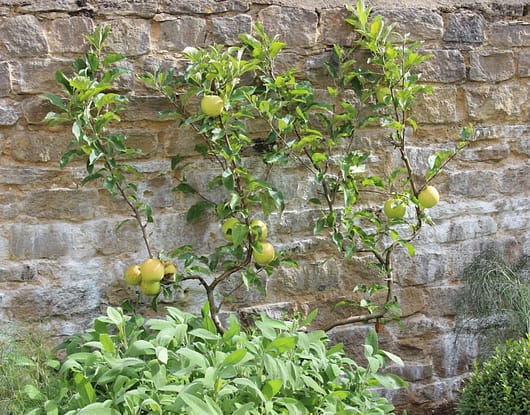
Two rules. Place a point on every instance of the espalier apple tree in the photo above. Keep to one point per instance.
(222, 90)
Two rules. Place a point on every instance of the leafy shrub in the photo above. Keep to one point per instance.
(24, 358)
(182, 365)
(501, 384)
(495, 302)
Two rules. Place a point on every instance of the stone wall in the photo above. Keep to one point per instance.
(61, 258)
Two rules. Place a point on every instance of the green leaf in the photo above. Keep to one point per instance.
(197, 210)
(371, 340)
(282, 344)
(200, 407)
(235, 357)
(271, 388)
(106, 343)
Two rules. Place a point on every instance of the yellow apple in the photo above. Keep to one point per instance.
(266, 255)
(212, 105)
(152, 270)
(259, 229)
(428, 197)
(150, 288)
(133, 275)
(381, 93)
(394, 208)
(227, 228)
(169, 268)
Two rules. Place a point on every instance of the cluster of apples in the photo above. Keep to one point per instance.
(396, 208)
(149, 274)
(263, 250)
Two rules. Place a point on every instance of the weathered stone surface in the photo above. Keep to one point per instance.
(37, 76)
(464, 27)
(514, 179)
(5, 79)
(227, 29)
(51, 6)
(36, 146)
(202, 6)
(488, 66)
(22, 36)
(63, 204)
(40, 241)
(445, 66)
(334, 29)
(9, 112)
(496, 102)
(17, 272)
(473, 184)
(145, 107)
(182, 32)
(34, 109)
(438, 107)
(68, 35)
(420, 23)
(130, 36)
(296, 27)
(142, 8)
(509, 34)
(524, 65)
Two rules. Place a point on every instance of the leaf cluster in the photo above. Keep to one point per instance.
(182, 365)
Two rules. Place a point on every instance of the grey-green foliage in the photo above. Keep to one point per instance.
(496, 295)
(501, 385)
(181, 365)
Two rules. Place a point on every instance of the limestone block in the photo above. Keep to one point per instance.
(443, 300)
(473, 183)
(28, 176)
(17, 272)
(454, 354)
(445, 66)
(48, 241)
(412, 300)
(62, 204)
(141, 8)
(334, 29)
(34, 109)
(202, 6)
(179, 140)
(67, 35)
(465, 228)
(157, 192)
(110, 236)
(437, 108)
(509, 34)
(5, 79)
(143, 139)
(37, 303)
(175, 35)
(130, 37)
(145, 108)
(420, 23)
(493, 152)
(464, 27)
(9, 207)
(412, 371)
(515, 179)
(38, 146)
(37, 76)
(491, 66)
(227, 29)
(502, 102)
(22, 36)
(50, 5)
(296, 27)
(524, 65)
(9, 112)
